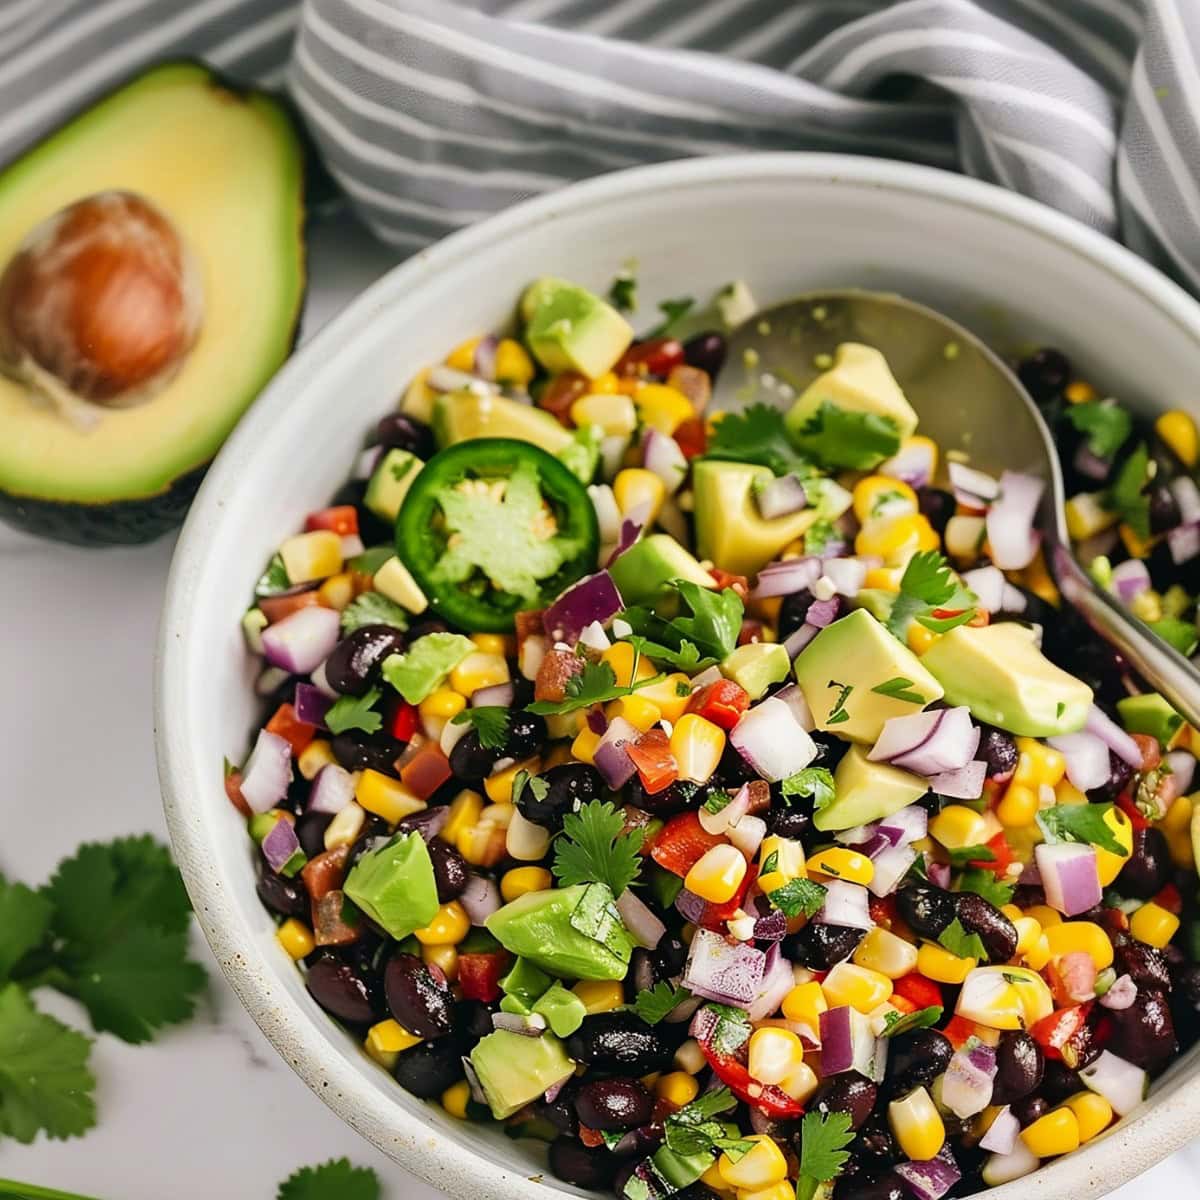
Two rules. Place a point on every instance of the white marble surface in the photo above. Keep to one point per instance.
(208, 1110)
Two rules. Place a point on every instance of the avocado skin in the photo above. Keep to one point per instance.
(146, 518)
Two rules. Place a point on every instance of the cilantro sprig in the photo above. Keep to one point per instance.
(960, 943)
(593, 849)
(1127, 497)
(823, 1141)
(693, 1129)
(899, 688)
(337, 1179)
(1079, 823)
(372, 608)
(816, 782)
(689, 642)
(1107, 426)
(355, 712)
(799, 896)
(984, 883)
(928, 587)
(490, 722)
(898, 1023)
(656, 1003)
(595, 684)
(757, 435)
(837, 437)
(673, 311)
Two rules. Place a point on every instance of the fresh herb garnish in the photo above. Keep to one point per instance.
(656, 1003)
(838, 714)
(1126, 497)
(692, 1129)
(899, 688)
(799, 896)
(372, 608)
(984, 883)
(837, 437)
(622, 292)
(593, 849)
(333, 1180)
(716, 801)
(819, 535)
(539, 789)
(673, 312)
(595, 684)
(929, 587)
(823, 1141)
(689, 643)
(757, 435)
(1080, 823)
(1106, 425)
(355, 712)
(490, 722)
(816, 782)
(963, 855)
(274, 580)
(962, 944)
(770, 863)
(732, 1029)
(898, 1023)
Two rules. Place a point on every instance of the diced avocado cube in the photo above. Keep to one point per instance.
(563, 1010)
(643, 572)
(679, 1170)
(420, 670)
(842, 669)
(730, 531)
(569, 328)
(876, 601)
(525, 982)
(461, 416)
(866, 791)
(1150, 714)
(389, 483)
(539, 926)
(394, 885)
(756, 666)
(515, 1070)
(1002, 676)
(1176, 632)
(515, 1005)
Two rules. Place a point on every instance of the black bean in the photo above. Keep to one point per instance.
(928, 910)
(583, 1166)
(793, 611)
(310, 831)
(822, 947)
(418, 1001)
(355, 660)
(1145, 1033)
(560, 1112)
(472, 761)
(707, 351)
(674, 798)
(696, 1191)
(668, 957)
(885, 1187)
(877, 1146)
(1119, 775)
(568, 786)
(937, 506)
(613, 1104)
(995, 930)
(402, 432)
(1029, 1109)
(354, 752)
(450, 871)
(1059, 1082)
(430, 1067)
(472, 1020)
(341, 990)
(916, 1059)
(287, 897)
(999, 750)
(1148, 868)
(848, 1092)
(526, 733)
(1020, 1066)
(1144, 964)
(1185, 1000)
(790, 820)
(1164, 509)
(620, 1043)
(1045, 373)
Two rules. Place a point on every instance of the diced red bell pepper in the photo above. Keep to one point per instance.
(958, 1031)
(1055, 1032)
(692, 437)
(288, 726)
(1003, 856)
(767, 1098)
(1170, 899)
(739, 583)
(722, 703)
(592, 1138)
(751, 631)
(479, 974)
(900, 1004)
(923, 992)
(233, 790)
(560, 393)
(425, 771)
(1136, 818)
(882, 910)
(330, 927)
(275, 608)
(656, 765)
(557, 667)
(326, 872)
(1072, 977)
(655, 357)
(404, 721)
(342, 519)
(682, 842)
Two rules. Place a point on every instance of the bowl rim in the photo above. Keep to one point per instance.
(420, 1145)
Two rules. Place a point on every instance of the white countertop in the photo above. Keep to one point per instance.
(208, 1110)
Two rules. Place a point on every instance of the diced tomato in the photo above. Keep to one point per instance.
(750, 632)
(717, 916)
(1136, 818)
(900, 1004)
(590, 1137)
(656, 765)
(883, 910)
(342, 519)
(959, 1031)
(1055, 1033)
(479, 975)
(330, 927)
(1114, 921)
(275, 608)
(425, 771)
(722, 703)
(1072, 977)
(404, 721)
(739, 583)
(692, 437)
(767, 1098)
(682, 842)
(557, 667)
(1151, 753)
(233, 790)
(560, 393)
(1003, 853)
(288, 726)
(923, 992)
(1170, 899)
(658, 356)
(326, 872)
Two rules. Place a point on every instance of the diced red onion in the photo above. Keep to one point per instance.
(270, 681)
(594, 638)
(1184, 543)
(823, 613)
(690, 906)
(1030, 875)
(967, 1083)
(1091, 465)
(1187, 497)
(858, 835)
(1014, 600)
(494, 695)
(1130, 579)
(717, 823)
(795, 642)
(988, 583)
(837, 1045)
(781, 497)
(964, 784)
(909, 824)
(332, 790)
(1005, 1168)
(480, 898)
(631, 529)
(845, 904)
(1010, 531)
(1002, 1133)
(351, 545)
(771, 928)
(932, 1179)
(612, 454)
(321, 683)
(793, 697)
(477, 1092)
(552, 1092)
(485, 357)
(303, 640)
(267, 772)
(1121, 995)
(979, 488)
(527, 1025)
(592, 599)
(597, 722)
(778, 979)
(1119, 1081)
(311, 704)
(1086, 757)
(707, 676)
(1183, 767)
(787, 577)
(446, 379)
(1114, 737)
(1069, 876)
(729, 973)
(280, 844)
(611, 758)
(662, 456)
(365, 463)
(747, 835)
(847, 574)
(939, 874)
(771, 740)
(913, 464)
(928, 743)
(891, 865)
(644, 927)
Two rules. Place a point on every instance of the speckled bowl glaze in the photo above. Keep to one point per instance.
(1017, 273)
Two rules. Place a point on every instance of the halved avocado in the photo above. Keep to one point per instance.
(225, 168)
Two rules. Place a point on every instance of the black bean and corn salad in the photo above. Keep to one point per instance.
(725, 802)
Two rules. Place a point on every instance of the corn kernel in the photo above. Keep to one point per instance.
(314, 555)
(1055, 1133)
(337, 591)
(670, 696)
(485, 843)
(773, 1191)
(1037, 953)
(607, 384)
(714, 1180)
(1044, 915)
(296, 938)
(804, 1005)
(513, 364)
(1182, 850)
(859, 987)
(641, 713)
(520, 881)
(801, 1083)
(462, 357)
(455, 1099)
(1178, 430)
(886, 953)
(1093, 1113)
(345, 827)
(584, 746)
(464, 813)
(896, 539)
(937, 963)
(718, 874)
(877, 496)
(600, 995)
(918, 639)
(1018, 807)
(885, 579)
(843, 863)
(492, 643)
(1153, 925)
(620, 657)
(789, 862)
(615, 414)
(774, 1054)
(759, 1167)
(448, 927)
(917, 1125)
(441, 705)
(637, 488)
(525, 841)
(697, 745)
(957, 826)
(1079, 391)
(1135, 544)
(677, 1087)
(1028, 933)
(663, 407)
(445, 958)
(499, 784)
(317, 754)
(386, 797)
(1080, 936)
(479, 670)
(391, 1037)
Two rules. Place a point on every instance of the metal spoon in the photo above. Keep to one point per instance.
(967, 400)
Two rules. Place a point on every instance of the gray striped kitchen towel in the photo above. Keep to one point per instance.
(432, 114)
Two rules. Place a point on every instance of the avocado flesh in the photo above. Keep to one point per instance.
(866, 791)
(227, 168)
(514, 1070)
(460, 416)
(642, 574)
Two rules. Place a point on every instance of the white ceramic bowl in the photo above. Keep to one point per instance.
(1016, 272)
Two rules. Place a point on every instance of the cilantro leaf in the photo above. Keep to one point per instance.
(984, 883)
(686, 658)
(692, 1129)
(593, 848)
(689, 643)
(274, 580)
(539, 789)
(820, 534)
(900, 688)
(44, 1080)
(838, 714)
(355, 712)
(923, 1018)
(595, 684)
(927, 587)
(837, 437)
(717, 800)
(24, 922)
(653, 1004)
(816, 782)
(799, 896)
(1107, 426)
(970, 854)
(490, 721)
(622, 292)
(732, 1030)
(962, 944)
(1126, 496)
(673, 312)
(757, 435)
(823, 1141)
(333, 1180)
(372, 608)
(1080, 823)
